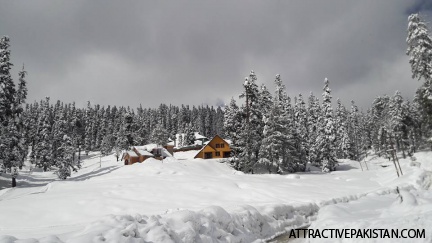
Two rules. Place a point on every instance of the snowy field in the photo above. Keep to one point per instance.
(183, 199)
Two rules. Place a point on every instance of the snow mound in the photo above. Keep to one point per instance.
(293, 176)
(425, 180)
(211, 224)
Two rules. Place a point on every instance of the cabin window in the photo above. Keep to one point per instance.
(218, 145)
(217, 154)
(222, 145)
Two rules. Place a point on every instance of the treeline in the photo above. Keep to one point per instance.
(107, 129)
(274, 133)
(280, 135)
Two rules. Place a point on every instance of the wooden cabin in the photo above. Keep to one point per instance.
(140, 153)
(136, 155)
(216, 148)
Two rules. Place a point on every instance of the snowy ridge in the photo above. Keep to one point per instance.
(212, 224)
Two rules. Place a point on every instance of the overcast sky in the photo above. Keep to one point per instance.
(198, 52)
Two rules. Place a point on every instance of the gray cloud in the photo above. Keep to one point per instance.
(198, 52)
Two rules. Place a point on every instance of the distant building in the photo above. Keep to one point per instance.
(199, 140)
(139, 154)
(216, 148)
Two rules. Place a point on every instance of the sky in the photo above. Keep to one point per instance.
(128, 53)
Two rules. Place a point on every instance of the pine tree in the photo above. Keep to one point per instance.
(21, 93)
(232, 121)
(301, 120)
(65, 159)
(180, 140)
(7, 86)
(277, 146)
(355, 132)
(252, 127)
(88, 129)
(11, 149)
(314, 113)
(326, 138)
(420, 51)
(398, 115)
(43, 147)
(159, 136)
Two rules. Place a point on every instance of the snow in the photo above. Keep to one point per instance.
(144, 152)
(181, 199)
(131, 153)
(407, 207)
(150, 147)
(199, 136)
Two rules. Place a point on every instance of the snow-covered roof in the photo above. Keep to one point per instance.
(199, 136)
(149, 148)
(170, 143)
(131, 153)
(144, 152)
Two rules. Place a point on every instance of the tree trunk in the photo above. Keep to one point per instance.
(13, 181)
(79, 153)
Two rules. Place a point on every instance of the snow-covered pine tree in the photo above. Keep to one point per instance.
(7, 86)
(343, 142)
(65, 159)
(232, 121)
(232, 125)
(11, 147)
(58, 131)
(42, 150)
(159, 135)
(301, 119)
(180, 140)
(128, 128)
(326, 137)
(268, 156)
(277, 147)
(122, 142)
(398, 114)
(355, 132)
(219, 122)
(314, 113)
(251, 133)
(10, 137)
(265, 99)
(189, 137)
(88, 129)
(420, 51)
(21, 93)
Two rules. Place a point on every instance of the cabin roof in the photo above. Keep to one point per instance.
(131, 153)
(149, 148)
(208, 144)
(199, 136)
(144, 152)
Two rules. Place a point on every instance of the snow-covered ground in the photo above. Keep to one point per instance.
(191, 200)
